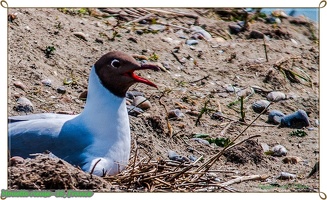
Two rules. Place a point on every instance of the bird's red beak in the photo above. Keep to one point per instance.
(143, 80)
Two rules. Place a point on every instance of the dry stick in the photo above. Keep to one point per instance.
(140, 19)
(226, 128)
(244, 178)
(129, 11)
(265, 47)
(170, 129)
(94, 166)
(135, 156)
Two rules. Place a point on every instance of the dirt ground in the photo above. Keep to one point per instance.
(194, 80)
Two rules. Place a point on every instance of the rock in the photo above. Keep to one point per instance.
(286, 176)
(61, 90)
(279, 150)
(245, 92)
(139, 32)
(230, 88)
(260, 105)
(46, 82)
(279, 13)
(20, 85)
(171, 41)
(272, 20)
(199, 30)
(132, 94)
(27, 28)
(80, 35)
(292, 160)
(181, 34)
(141, 102)
(234, 29)
(172, 155)
(276, 96)
(133, 110)
(99, 40)
(256, 34)
(157, 27)
(275, 116)
(294, 41)
(24, 105)
(15, 160)
(265, 147)
(217, 115)
(298, 119)
(202, 141)
(83, 95)
(191, 42)
(175, 114)
(192, 158)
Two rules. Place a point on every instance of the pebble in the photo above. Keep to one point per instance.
(141, 102)
(172, 155)
(260, 105)
(139, 32)
(245, 92)
(265, 147)
(204, 33)
(27, 28)
(46, 82)
(298, 119)
(230, 88)
(192, 158)
(279, 13)
(256, 34)
(171, 41)
(157, 27)
(286, 176)
(134, 111)
(279, 150)
(202, 141)
(80, 35)
(192, 42)
(234, 28)
(294, 41)
(292, 160)
(61, 90)
(181, 34)
(132, 94)
(217, 115)
(275, 116)
(99, 40)
(15, 160)
(175, 114)
(20, 85)
(276, 96)
(271, 20)
(24, 105)
(83, 95)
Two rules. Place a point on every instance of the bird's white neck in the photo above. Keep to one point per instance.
(105, 115)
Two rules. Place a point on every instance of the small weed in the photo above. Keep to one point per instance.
(154, 57)
(298, 133)
(49, 50)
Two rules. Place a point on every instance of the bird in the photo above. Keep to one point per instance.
(98, 139)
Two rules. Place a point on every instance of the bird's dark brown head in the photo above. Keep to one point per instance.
(116, 72)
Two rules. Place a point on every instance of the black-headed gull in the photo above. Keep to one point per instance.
(98, 137)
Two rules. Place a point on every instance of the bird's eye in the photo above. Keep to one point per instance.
(115, 63)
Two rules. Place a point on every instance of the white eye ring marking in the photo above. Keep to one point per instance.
(114, 63)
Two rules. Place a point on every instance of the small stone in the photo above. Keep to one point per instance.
(286, 176)
(191, 42)
(260, 105)
(200, 140)
(279, 150)
(20, 85)
(141, 102)
(199, 30)
(157, 27)
(217, 115)
(175, 114)
(171, 41)
(230, 88)
(172, 155)
(132, 94)
(265, 147)
(294, 41)
(245, 92)
(27, 28)
(298, 119)
(46, 82)
(276, 96)
(83, 96)
(275, 116)
(61, 90)
(80, 35)
(192, 158)
(256, 34)
(139, 32)
(271, 20)
(98, 40)
(181, 34)
(24, 105)
(292, 160)
(279, 13)
(234, 29)
(133, 110)
(15, 160)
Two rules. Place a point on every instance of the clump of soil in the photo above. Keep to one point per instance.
(46, 171)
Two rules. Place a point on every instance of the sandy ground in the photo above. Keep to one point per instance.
(195, 76)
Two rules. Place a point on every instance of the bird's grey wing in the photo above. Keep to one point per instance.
(33, 136)
(20, 118)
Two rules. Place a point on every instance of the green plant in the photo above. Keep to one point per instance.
(298, 133)
(49, 50)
